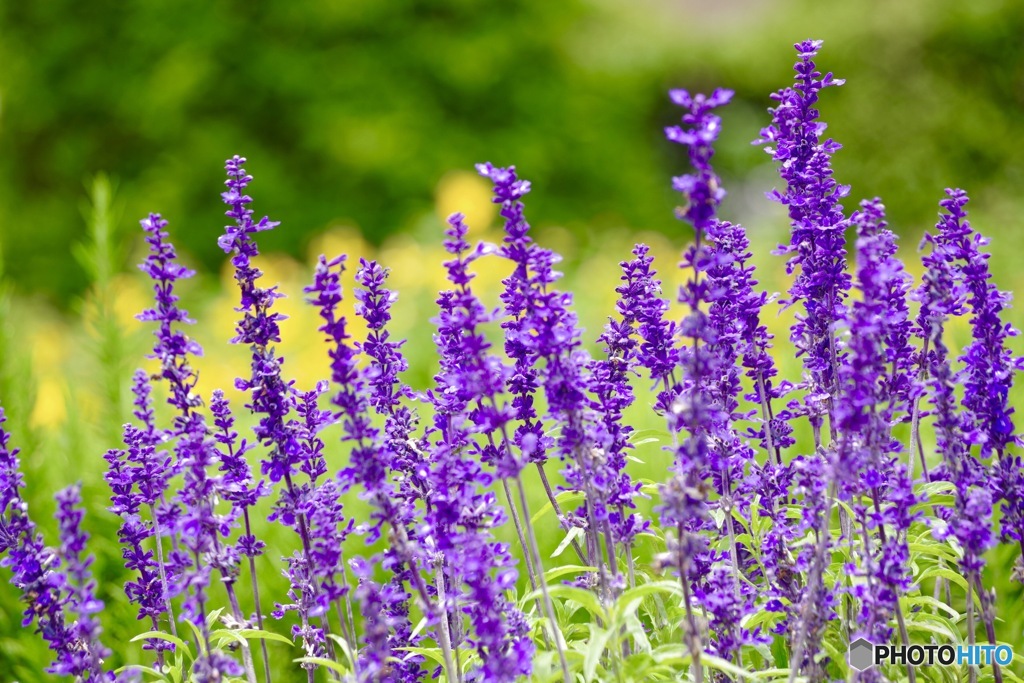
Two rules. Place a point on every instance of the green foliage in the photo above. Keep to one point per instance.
(350, 112)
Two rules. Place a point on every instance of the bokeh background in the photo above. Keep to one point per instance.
(362, 120)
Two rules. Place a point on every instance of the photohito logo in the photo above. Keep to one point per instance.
(864, 654)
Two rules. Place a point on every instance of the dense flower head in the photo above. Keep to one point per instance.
(700, 129)
(87, 656)
(518, 299)
(988, 363)
(610, 395)
(387, 391)
(874, 385)
(36, 568)
(462, 513)
(238, 485)
(172, 347)
(642, 306)
(812, 195)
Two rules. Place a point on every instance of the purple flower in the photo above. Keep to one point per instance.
(461, 512)
(313, 508)
(87, 656)
(818, 245)
(532, 274)
(989, 365)
(370, 463)
(35, 568)
(874, 383)
(942, 295)
(542, 332)
(642, 306)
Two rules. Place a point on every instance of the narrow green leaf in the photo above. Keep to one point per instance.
(324, 662)
(160, 635)
(595, 648)
(573, 534)
(431, 653)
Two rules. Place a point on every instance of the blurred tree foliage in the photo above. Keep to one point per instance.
(350, 111)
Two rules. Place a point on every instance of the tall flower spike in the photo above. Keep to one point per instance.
(989, 365)
(943, 295)
(462, 512)
(874, 387)
(36, 569)
(517, 298)
(86, 629)
(312, 509)
(818, 244)
(706, 403)
(199, 526)
(368, 470)
(542, 332)
(641, 305)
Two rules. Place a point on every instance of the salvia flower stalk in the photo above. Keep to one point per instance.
(789, 517)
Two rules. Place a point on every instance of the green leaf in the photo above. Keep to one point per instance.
(141, 669)
(574, 533)
(644, 436)
(934, 549)
(713, 662)
(250, 634)
(212, 617)
(345, 648)
(324, 662)
(558, 572)
(933, 572)
(561, 498)
(432, 653)
(180, 644)
(198, 634)
(928, 601)
(595, 648)
(586, 599)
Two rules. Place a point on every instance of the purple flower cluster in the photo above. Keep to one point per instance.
(818, 242)
(751, 520)
(56, 584)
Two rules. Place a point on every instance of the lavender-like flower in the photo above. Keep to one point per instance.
(87, 655)
(874, 385)
(542, 332)
(683, 507)
(642, 306)
(989, 365)
(311, 509)
(36, 569)
(461, 512)
(199, 526)
(818, 245)
(942, 295)
(369, 467)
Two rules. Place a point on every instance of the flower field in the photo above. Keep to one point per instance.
(727, 458)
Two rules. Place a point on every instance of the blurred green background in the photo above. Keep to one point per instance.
(362, 120)
(352, 111)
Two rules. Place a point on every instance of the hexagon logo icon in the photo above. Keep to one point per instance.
(862, 655)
